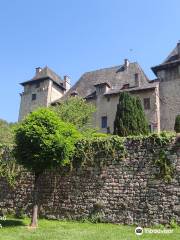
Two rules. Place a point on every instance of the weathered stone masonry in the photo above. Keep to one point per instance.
(126, 189)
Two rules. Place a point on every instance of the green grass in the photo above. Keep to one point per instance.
(15, 229)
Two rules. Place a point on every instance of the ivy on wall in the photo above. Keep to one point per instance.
(166, 169)
(9, 169)
(89, 151)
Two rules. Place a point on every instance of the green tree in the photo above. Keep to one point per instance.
(77, 111)
(130, 118)
(6, 132)
(43, 142)
(177, 124)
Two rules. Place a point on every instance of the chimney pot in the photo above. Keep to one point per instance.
(38, 70)
(67, 82)
(66, 79)
(126, 63)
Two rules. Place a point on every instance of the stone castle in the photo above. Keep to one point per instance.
(160, 97)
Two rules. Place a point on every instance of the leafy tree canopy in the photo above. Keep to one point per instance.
(130, 118)
(44, 141)
(77, 111)
(6, 132)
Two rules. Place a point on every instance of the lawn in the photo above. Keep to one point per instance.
(15, 229)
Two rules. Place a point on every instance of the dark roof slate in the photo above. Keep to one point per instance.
(172, 59)
(112, 75)
(46, 73)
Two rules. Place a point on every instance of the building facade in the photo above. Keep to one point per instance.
(160, 97)
(102, 88)
(168, 74)
(43, 89)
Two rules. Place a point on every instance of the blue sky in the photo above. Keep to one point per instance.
(75, 36)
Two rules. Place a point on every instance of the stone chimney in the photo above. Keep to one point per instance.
(178, 48)
(126, 63)
(67, 83)
(38, 70)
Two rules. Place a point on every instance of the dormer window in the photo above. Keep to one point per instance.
(100, 89)
(125, 86)
(136, 78)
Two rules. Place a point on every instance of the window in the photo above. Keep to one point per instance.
(125, 86)
(38, 85)
(33, 96)
(150, 128)
(147, 103)
(104, 122)
(136, 77)
(100, 89)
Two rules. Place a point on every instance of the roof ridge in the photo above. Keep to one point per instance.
(115, 66)
(48, 68)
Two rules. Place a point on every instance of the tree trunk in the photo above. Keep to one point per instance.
(34, 218)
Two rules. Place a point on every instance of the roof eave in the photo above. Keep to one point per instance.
(42, 79)
(165, 65)
(34, 80)
(103, 83)
(130, 90)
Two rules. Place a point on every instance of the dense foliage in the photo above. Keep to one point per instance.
(177, 124)
(44, 141)
(87, 150)
(6, 132)
(9, 169)
(165, 166)
(77, 111)
(130, 118)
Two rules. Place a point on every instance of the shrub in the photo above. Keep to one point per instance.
(6, 132)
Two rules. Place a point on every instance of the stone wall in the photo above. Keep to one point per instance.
(121, 191)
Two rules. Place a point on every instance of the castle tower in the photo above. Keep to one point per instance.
(40, 91)
(168, 74)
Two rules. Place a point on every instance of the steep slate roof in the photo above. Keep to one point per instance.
(113, 76)
(46, 73)
(173, 58)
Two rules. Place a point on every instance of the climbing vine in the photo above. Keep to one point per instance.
(155, 139)
(164, 164)
(87, 150)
